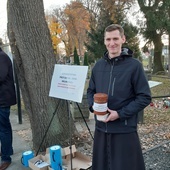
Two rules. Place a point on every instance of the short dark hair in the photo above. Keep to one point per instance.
(114, 27)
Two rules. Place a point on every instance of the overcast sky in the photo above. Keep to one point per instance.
(3, 13)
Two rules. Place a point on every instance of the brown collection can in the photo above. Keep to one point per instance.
(100, 103)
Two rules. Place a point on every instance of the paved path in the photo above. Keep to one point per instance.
(20, 143)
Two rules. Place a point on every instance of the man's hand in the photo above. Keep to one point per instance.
(113, 115)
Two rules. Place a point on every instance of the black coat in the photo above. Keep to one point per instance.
(7, 88)
(124, 80)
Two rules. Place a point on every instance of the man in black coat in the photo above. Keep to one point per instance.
(7, 99)
(119, 75)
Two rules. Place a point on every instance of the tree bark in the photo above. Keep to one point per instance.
(158, 66)
(33, 54)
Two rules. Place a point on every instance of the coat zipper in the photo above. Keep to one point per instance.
(126, 122)
(113, 85)
(110, 79)
(110, 85)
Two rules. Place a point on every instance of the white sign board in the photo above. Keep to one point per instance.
(68, 82)
(153, 83)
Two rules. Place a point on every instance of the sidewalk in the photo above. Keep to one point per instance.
(22, 139)
(20, 143)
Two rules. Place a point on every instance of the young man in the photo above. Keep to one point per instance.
(7, 98)
(122, 78)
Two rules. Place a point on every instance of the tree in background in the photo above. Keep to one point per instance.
(156, 24)
(76, 57)
(33, 53)
(77, 24)
(55, 30)
(58, 13)
(85, 63)
(95, 19)
(93, 10)
(74, 21)
(83, 24)
(132, 40)
(95, 45)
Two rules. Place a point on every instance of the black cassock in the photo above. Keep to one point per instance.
(117, 152)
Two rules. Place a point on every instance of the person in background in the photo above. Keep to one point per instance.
(7, 99)
(122, 77)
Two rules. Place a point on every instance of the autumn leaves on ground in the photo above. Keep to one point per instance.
(156, 127)
(154, 131)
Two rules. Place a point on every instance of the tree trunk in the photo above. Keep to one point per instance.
(158, 66)
(33, 54)
(153, 30)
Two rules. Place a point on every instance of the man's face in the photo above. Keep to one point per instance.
(113, 41)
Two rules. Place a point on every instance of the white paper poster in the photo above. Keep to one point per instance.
(68, 82)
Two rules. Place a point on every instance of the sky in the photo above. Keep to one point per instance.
(3, 13)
